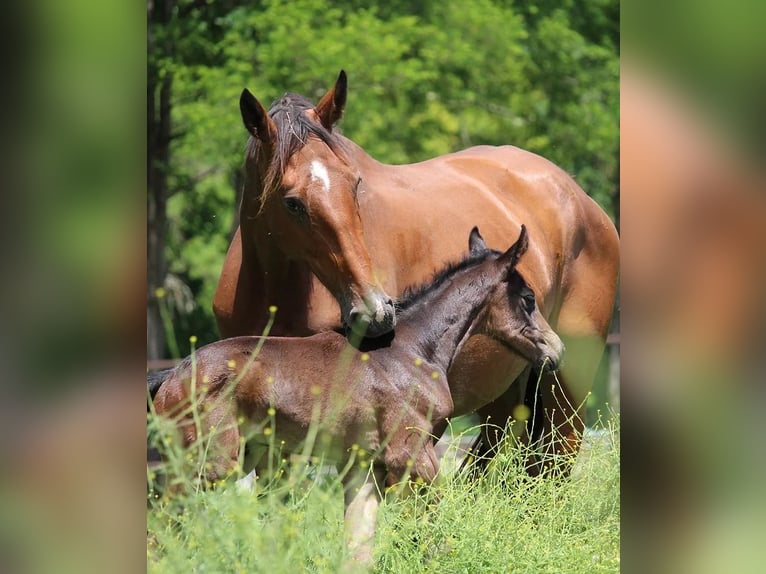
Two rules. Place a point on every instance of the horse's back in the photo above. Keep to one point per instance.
(491, 186)
(419, 214)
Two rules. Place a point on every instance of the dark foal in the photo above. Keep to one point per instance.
(383, 396)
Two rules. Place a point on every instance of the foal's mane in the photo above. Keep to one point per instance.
(293, 130)
(413, 295)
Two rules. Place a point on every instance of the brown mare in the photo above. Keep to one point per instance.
(383, 396)
(325, 228)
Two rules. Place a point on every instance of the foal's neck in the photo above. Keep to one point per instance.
(437, 326)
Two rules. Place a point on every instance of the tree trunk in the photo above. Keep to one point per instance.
(158, 158)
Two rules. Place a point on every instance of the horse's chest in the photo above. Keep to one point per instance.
(322, 310)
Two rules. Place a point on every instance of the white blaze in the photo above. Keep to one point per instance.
(319, 172)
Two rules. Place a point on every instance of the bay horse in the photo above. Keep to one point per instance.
(383, 396)
(328, 234)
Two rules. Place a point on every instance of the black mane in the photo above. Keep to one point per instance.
(413, 295)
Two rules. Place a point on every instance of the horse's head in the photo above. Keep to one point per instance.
(300, 192)
(511, 315)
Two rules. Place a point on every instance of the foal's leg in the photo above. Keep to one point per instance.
(218, 444)
(406, 428)
(362, 497)
(410, 452)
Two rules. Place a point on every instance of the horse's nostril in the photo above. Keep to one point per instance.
(358, 317)
(373, 318)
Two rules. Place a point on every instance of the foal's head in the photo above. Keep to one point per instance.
(302, 189)
(511, 315)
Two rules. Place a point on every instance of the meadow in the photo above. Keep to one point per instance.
(503, 521)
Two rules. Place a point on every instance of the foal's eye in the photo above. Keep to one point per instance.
(529, 301)
(294, 206)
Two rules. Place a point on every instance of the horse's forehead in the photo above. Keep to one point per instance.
(316, 150)
(316, 163)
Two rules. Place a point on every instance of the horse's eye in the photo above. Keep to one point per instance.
(294, 206)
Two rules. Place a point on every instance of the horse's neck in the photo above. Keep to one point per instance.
(360, 158)
(439, 325)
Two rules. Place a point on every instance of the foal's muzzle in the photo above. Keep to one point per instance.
(549, 364)
(553, 356)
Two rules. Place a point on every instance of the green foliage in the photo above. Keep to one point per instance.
(425, 79)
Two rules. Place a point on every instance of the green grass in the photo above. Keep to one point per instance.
(503, 522)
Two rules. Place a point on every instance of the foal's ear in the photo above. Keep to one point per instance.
(515, 251)
(476, 245)
(256, 118)
(330, 107)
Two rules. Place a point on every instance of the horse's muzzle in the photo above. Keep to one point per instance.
(373, 319)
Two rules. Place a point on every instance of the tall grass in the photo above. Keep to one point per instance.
(507, 521)
(504, 521)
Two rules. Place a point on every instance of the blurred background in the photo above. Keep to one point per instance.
(693, 83)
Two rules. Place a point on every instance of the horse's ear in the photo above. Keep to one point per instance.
(330, 107)
(476, 245)
(510, 258)
(256, 118)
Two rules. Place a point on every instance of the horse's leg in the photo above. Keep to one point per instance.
(362, 498)
(563, 397)
(495, 417)
(582, 322)
(583, 325)
(504, 410)
(556, 410)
